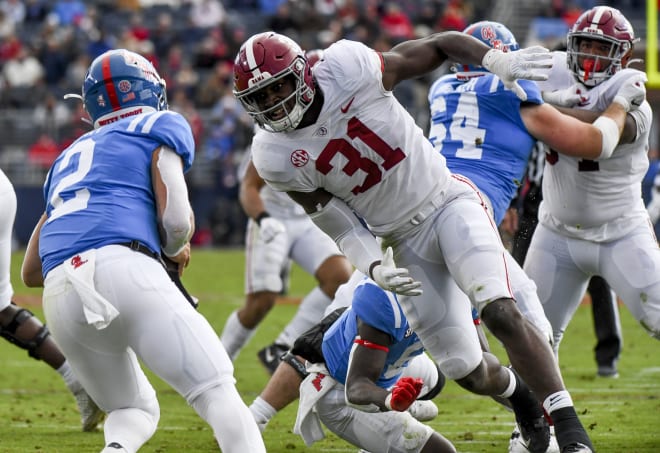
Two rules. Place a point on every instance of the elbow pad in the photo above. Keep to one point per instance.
(176, 222)
(355, 240)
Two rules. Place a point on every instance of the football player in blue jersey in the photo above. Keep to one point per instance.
(115, 200)
(486, 133)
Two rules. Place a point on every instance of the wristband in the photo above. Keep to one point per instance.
(388, 401)
(371, 268)
(260, 217)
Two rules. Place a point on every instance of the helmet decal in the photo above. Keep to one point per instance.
(120, 83)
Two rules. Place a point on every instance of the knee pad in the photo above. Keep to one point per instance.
(461, 358)
(21, 316)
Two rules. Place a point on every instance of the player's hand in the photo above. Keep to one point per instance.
(632, 92)
(569, 97)
(404, 393)
(179, 261)
(269, 228)
(520, 64)
(395, 279)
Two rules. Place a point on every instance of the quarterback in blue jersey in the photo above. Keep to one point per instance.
(115, 200)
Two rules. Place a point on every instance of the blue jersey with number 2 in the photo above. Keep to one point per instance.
(476, 125)
(99, 190)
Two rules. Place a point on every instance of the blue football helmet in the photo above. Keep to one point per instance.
(494, 35)
(120, 84)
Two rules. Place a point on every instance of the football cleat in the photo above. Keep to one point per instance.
(535, 434)
(517, 443)
(608, 371)
(576, 447)
(271, 356)
(423, 410)
(90, 414)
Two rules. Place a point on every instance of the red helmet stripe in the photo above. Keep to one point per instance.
(109, 86)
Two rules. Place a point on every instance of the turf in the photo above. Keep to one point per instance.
(39, 415)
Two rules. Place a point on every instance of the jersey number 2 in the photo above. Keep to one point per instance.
(85, 149)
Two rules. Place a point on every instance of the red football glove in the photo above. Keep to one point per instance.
(404, 393)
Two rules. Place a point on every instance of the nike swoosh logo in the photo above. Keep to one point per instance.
(345, 109)
(269, 356)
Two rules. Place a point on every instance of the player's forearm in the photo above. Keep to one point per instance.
(355, 241)
(251, 201)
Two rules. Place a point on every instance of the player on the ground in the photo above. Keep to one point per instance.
(340, 144)
(114, 199)
(20, 327)
(592, 220)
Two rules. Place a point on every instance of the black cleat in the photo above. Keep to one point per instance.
(271, 356)
(536, 434)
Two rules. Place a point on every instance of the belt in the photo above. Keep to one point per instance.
(138, 247)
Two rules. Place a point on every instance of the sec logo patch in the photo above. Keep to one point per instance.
(299, 158)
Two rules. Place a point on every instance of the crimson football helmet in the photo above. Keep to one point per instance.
(267, 58)
(603, 24)
(493, 34)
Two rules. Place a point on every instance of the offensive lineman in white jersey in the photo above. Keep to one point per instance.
(592, 220)
(340, 144)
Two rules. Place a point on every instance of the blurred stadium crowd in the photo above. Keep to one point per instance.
(46, 46)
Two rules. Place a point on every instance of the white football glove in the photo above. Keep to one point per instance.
(269, 228)
(395, 279)
(568, 97)
(520, 64)
(632, 92)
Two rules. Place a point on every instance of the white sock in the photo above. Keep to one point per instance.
(235, 336)
(557, 400)
(309, 313)
(69, 377)
(262, 411)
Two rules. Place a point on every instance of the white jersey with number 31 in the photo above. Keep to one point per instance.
(364, 148)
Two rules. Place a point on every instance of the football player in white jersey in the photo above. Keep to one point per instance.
(344, 148)
(115, 199)
(592, 220)
(279, 232)
(20, 327)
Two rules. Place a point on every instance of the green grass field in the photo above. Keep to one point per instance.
(39, 415)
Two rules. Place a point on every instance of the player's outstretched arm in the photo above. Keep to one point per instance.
(417, 57)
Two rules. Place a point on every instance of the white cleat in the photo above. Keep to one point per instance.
(90, 414)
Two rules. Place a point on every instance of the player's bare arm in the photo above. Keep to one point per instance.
(629, 129)
(249, 192)
(417, 57)
(31, 268)
(365, 367)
